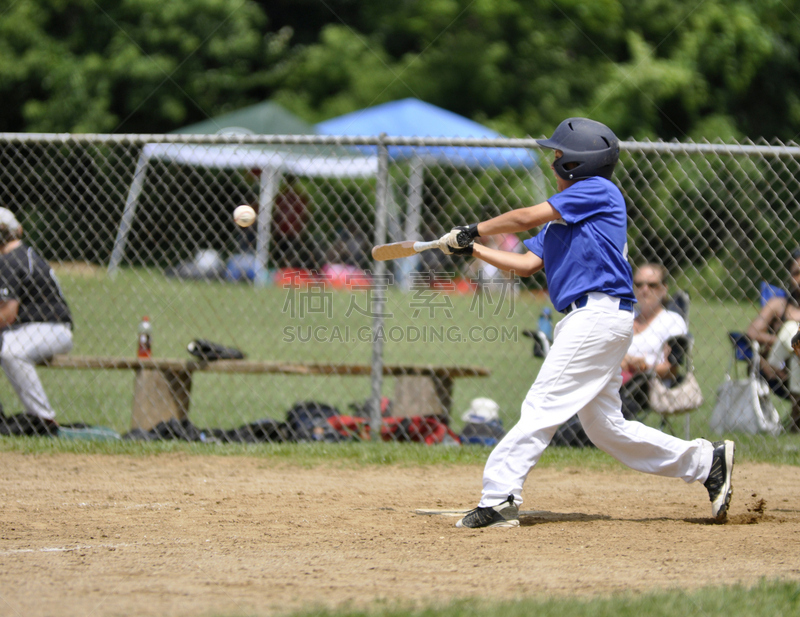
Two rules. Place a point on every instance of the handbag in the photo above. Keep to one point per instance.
(682, 397)
(745, 405)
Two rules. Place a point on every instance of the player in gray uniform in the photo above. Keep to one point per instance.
(583, 248)
(35, 322)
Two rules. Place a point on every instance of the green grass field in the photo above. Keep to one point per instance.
(273, 323)
(107, 312)
(768, 599)
(372, 453)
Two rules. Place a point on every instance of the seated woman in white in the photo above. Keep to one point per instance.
(653, 326)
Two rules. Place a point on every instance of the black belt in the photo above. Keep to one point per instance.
(624, 305)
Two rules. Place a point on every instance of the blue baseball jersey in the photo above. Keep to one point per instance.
(587, 249)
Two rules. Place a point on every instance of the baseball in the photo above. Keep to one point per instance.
(244, 216)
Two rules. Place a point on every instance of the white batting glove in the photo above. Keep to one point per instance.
(443, 244)
(449, 240)
(449, 250)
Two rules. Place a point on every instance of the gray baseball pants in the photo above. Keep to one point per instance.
(25, 346)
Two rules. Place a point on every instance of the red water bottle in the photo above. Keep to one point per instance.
(145, 330)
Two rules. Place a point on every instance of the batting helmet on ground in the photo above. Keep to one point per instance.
(592, 145)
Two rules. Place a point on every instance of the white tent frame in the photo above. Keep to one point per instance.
(273, 165)
(413, 222)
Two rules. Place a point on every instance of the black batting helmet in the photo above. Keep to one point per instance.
(592, 145)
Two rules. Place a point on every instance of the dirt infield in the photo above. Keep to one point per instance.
(187, 535)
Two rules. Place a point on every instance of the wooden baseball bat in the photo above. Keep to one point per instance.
(396, 250)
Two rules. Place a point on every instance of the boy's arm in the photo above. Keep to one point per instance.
(519, 220)
(515, 221)
(520, 264)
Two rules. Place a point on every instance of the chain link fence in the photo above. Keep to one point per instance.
(339, 346)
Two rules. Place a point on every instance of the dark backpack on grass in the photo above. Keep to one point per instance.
(308, 421)
(429, 430)
(262, 431)
(482, 433)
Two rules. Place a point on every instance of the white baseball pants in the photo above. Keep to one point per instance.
(581, 374)
(22, 348)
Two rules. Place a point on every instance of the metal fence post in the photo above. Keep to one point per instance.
(381, 189)
(416, 181)
(270, 179)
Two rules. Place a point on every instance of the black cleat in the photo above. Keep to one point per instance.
(718, 483)
(505, 514)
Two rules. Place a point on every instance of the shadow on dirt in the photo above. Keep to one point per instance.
(539, 517)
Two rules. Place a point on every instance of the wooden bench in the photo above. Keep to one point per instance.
(162, 387)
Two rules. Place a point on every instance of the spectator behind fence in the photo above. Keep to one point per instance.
(765, 327)
(351, 247)
(648, 353)
(782, 359)
(35, 320)
(288, 246)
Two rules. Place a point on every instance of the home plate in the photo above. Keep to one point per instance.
(426, 512)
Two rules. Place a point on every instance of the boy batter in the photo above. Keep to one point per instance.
(583, 248)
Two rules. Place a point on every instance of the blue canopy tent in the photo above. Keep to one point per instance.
(415, 118)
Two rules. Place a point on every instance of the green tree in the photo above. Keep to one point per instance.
(670, 69)
(136, 66)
